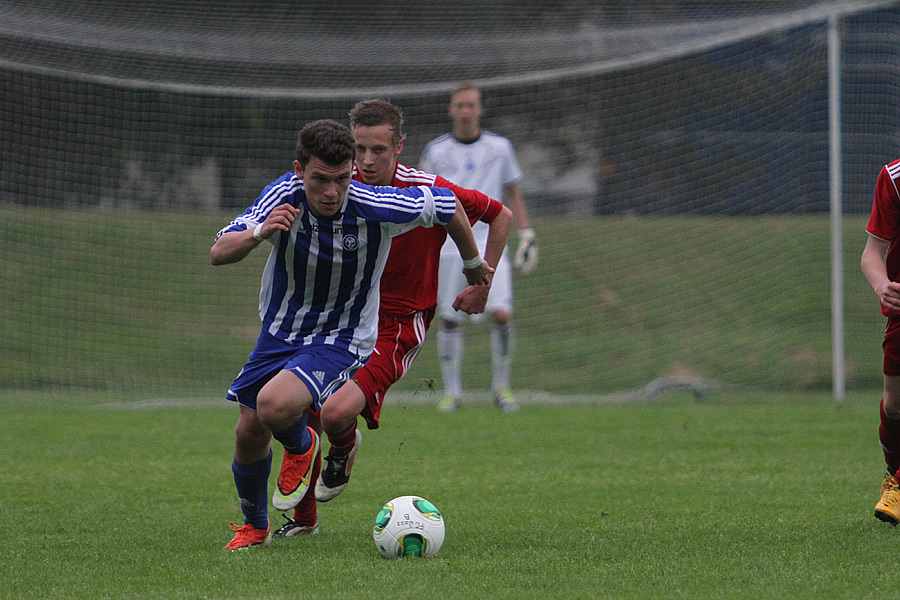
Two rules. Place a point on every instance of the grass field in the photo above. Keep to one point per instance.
(740, 496)
(112, 489)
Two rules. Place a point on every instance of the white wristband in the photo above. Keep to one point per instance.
(472, 263)
(257, 233)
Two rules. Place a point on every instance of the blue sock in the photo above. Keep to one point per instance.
(296, 439)
(252, 483)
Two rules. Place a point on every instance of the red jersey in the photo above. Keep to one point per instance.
(884, 222)
(410, 279)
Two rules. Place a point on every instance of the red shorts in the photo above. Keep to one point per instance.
(399, 341)
(891, 347)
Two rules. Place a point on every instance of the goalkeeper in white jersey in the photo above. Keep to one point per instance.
(481, 160)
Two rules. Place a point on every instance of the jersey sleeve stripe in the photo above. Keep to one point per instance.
(273, 198)
(413, 177)
(409, 200)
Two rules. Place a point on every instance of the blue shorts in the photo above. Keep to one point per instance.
(323, 368)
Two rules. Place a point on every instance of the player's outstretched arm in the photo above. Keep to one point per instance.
(233, 246)
(460, 232)
(498, 233)
(875, 271)
(473, 299)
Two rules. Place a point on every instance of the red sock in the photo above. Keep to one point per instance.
(889, 435)
(305, 512)
(342, 443)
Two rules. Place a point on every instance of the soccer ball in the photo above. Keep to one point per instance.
(408, 526)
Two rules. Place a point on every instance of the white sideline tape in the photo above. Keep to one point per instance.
(699, 388)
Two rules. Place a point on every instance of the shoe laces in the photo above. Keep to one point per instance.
(891, 494)
(336, 464)
(289, 524)
(243, 536)
(292, 471)
(244, 531)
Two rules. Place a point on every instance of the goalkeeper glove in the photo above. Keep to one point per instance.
(526, 252)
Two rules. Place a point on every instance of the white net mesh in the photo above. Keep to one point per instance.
(649, 133)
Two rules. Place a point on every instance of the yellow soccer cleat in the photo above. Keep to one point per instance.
(888, 507)
(505, 401)
(448, 404)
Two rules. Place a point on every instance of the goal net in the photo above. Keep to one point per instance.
(676, 159)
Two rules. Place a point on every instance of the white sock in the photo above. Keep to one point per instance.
(503, 341)
(449, 347)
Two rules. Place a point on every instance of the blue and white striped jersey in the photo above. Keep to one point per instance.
(320, 283)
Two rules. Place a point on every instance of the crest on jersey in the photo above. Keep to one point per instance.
(350, 242)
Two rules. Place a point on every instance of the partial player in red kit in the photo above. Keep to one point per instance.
(880, 264)
(408, 298)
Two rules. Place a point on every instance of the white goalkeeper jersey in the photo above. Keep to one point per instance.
(320, 283)
(488, 165)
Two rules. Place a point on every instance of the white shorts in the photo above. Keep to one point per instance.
(451, 282)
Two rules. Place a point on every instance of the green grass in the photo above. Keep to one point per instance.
(127, 301)
(741, 496)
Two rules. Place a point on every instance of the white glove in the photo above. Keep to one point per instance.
(526, 252)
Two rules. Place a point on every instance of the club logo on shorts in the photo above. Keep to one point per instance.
(350, 242)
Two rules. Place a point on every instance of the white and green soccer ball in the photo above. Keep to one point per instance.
(408, 526)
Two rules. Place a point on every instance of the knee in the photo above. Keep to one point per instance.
(891, 405)
(449, 325)
(248, 437)
(501, 318)
(251, 438)
(340, 412)
(336, 418)
(891, 397)
(272, 411)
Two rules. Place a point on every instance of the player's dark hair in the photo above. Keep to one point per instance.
(371, 113)
(327, 140)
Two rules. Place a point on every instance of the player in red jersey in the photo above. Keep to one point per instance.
(408, 297)
(880, 264)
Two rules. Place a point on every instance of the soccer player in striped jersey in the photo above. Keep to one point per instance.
(318, 304)
(880, 263)
(408, 297)
(472, 157)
